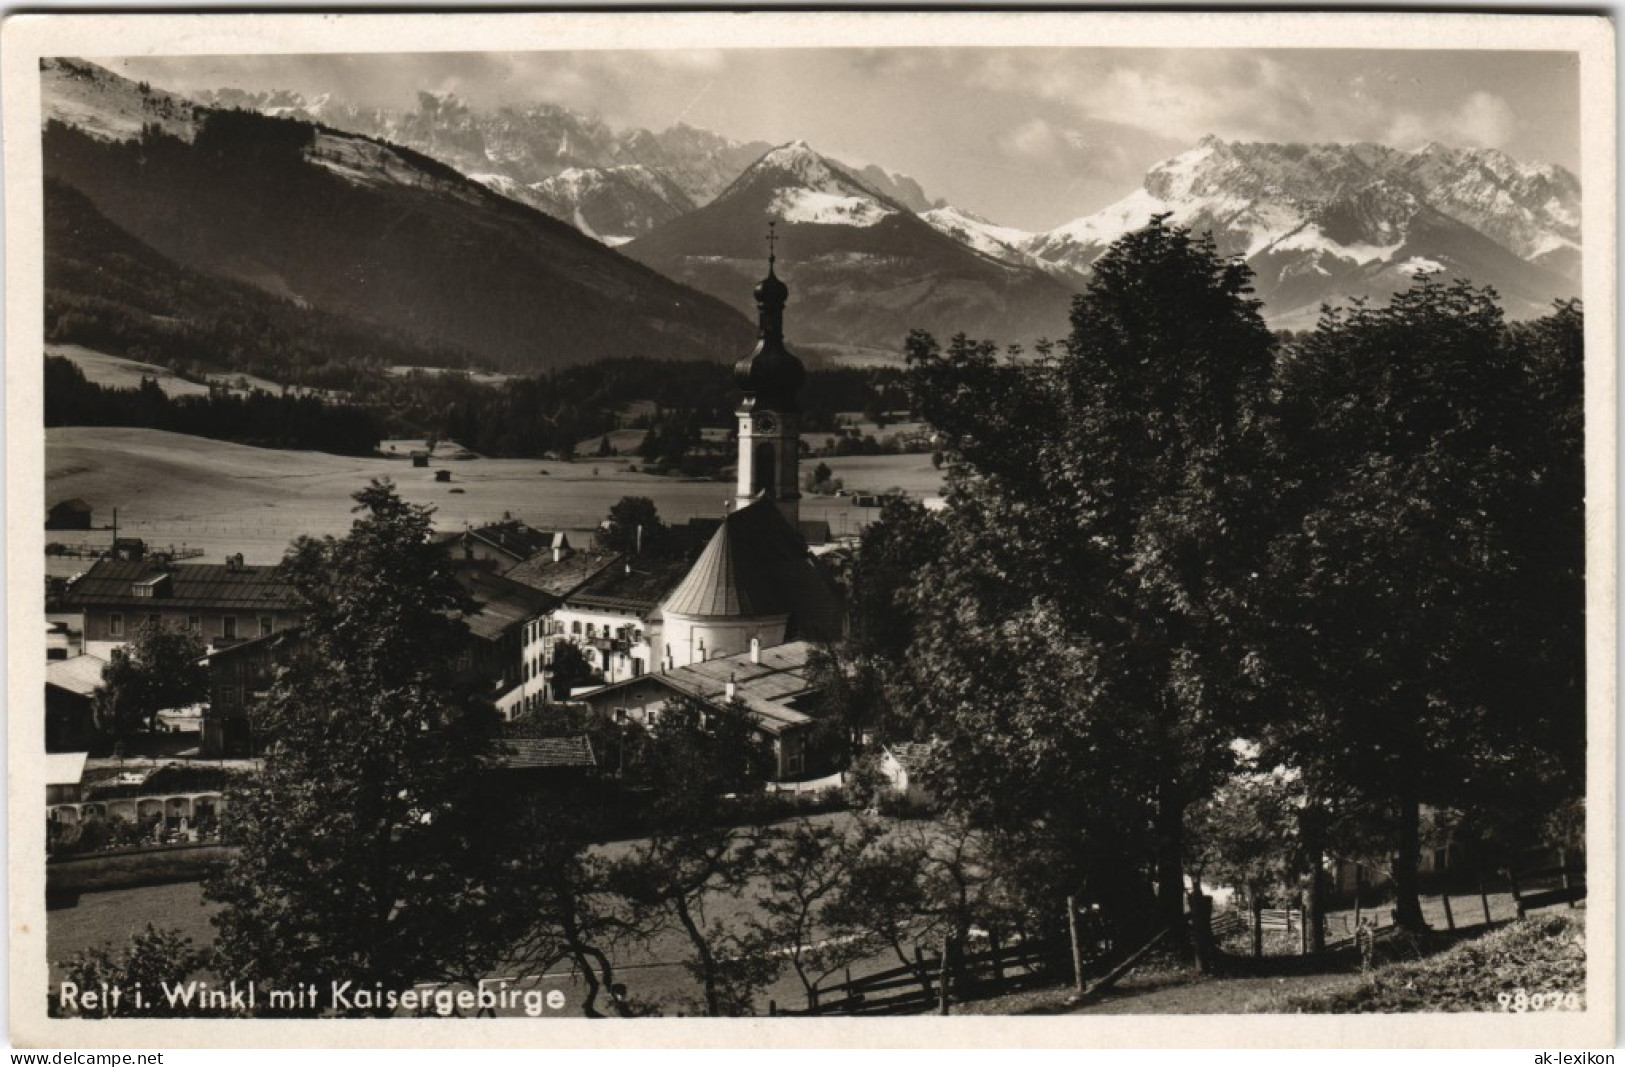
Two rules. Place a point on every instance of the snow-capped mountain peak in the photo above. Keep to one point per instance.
(806, 168)
(808, 189)
(1316, 221)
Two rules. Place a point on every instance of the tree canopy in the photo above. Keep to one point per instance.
(161, 668)
(366, 847)
(1072, 650)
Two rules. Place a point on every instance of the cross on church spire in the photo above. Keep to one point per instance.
(772, 244)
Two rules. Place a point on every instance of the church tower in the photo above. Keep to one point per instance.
(769, 415)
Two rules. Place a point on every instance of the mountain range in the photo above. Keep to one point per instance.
(863, 269)
(362, 229)
(613, 184)
(490, 231)
(1325, 223)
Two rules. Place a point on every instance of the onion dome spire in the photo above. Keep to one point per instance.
(770, 376)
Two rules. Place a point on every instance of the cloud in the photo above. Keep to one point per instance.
(1484, 120)
(1249, 96)
(1037, 139)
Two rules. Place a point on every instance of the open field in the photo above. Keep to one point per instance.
(223, 498)
(117, 372)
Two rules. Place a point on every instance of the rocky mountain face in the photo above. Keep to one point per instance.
(1326, 223)
(610, 183)
(862, 268)
(1001, 242)
(366, 230)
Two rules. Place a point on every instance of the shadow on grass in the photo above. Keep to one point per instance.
(1242, 982)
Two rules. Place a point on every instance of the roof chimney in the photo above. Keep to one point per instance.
(756, 650)
(732, 688)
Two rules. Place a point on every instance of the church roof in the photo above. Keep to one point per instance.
(756, 565)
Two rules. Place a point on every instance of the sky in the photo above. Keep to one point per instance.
(1027, 137)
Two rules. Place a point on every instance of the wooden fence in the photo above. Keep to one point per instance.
(929, 984)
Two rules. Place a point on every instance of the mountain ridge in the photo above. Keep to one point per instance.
(371, 232)
(863, 269)
(1325, 223)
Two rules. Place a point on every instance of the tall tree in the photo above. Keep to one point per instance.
(161, 668)
(1426, 578)
(1078, 622)
(702, 845)
(633, 525)
(366, 848)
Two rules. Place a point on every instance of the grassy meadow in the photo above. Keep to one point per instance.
(172, 489)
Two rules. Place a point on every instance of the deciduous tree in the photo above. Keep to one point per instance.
(367, 850)
(162, 668)
(1076, 651)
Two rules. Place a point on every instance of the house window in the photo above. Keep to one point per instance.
(575, 627)
(265, 626)
(115, 625)
(592, 630)
(228, 627)
(637, 667)
(194, 623)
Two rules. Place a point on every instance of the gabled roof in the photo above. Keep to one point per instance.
(81, 674)
(634, 584)
(110, 584)
(65, 768)
(562, 578)
(503, 604)
(756, 565)
(515, 538)
(529, 753)
(769, 690)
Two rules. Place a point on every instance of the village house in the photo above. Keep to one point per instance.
(615, 617)
(771, 684)
(70, 721)
(904, 766)
(72, 514)
(498, 632)
(504, 543)
(222, 603)
(239, 677)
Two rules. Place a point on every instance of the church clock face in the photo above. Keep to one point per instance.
(765, 424)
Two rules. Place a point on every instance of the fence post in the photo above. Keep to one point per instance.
(1449, 920)
(1077, 948)
(947, 951)
(1358, 885)
(1484, 899)
(1303, 927)
(772, 1008)
(1568, 881)
(1258, 926)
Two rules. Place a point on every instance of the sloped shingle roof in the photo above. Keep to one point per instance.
(81, 674)
(109, 584)
(562, 578)
(768, 689)
(528, 753)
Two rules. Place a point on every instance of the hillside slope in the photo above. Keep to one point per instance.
(382, 235)
(862, 268)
